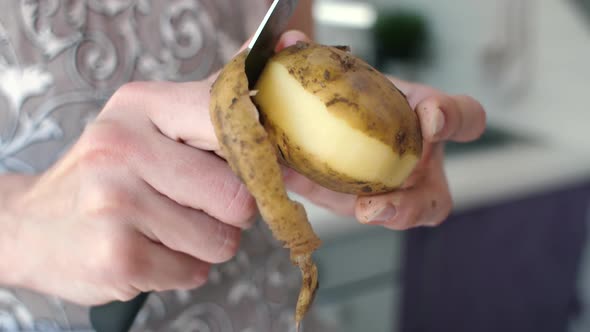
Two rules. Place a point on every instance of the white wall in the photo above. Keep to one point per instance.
(559, 58)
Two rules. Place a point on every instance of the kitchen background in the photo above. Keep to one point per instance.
(513, 256)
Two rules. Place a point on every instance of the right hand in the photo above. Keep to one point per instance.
(137, 205)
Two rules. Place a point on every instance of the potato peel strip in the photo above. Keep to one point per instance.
(250, 153)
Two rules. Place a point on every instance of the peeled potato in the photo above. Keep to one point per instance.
(337, 120)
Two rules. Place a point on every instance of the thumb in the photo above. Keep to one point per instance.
(290, 38)
(181, 111)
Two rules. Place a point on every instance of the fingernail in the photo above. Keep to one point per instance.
(383, 215)
(438, 123)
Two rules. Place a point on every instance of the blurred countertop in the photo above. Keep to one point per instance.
(553, 119)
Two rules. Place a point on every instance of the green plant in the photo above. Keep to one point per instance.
(401, 34)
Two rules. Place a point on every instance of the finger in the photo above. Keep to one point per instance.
(290, 38)
(428, 203)
(456, 118)
(166, 269)
(188, 231)
(179, 111)
(442, 117)
(339, 203)
(414, 92)
(196, 179)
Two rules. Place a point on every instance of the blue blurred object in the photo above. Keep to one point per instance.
(511, 267)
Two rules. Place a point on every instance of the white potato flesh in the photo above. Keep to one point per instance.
(307, 122)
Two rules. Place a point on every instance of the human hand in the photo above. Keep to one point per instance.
(424, 198)
(138, 204)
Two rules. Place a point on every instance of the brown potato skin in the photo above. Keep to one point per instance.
(357, 93)
(245, 144)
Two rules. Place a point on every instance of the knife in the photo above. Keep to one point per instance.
(119, 316)
(262, 46)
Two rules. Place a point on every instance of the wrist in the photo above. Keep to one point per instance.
(12, 187)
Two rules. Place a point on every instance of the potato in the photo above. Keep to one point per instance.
(328, 115)
(337, 120)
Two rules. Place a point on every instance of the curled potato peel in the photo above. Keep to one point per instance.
(246, 145)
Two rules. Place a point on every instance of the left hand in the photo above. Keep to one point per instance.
(424, 199)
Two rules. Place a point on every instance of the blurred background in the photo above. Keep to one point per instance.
(513, 256)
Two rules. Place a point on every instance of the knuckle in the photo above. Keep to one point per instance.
(241, 206)
(200, 276)
(109, 201)
(412, 218)
(122, 260)
(410, 213)
(128, 92)
(128, 268)
(307, 188)
(106, 142)
(445, 207)
(227, 244)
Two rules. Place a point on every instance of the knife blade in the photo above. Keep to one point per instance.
(262, 45)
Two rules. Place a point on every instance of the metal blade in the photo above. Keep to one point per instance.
(265, 40)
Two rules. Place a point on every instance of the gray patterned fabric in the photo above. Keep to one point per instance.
(59, 61)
